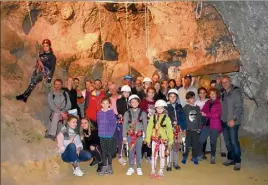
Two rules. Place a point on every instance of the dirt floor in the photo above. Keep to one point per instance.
(190, 174)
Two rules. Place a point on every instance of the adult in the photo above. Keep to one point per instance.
(93, 100)
(80, 98)
(89, 87)
(72, 94)
(164, 89)
(155, 78)
(232, 111)
(212, 127)
(186, 88)
(147, 82)
(171, 84)
(114, 96)
(59, 103)
(137, 87)
(44, 68)
(128, 80)
(178, 83)
(158, 93)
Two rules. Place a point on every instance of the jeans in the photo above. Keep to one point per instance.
(70, 155)
(232, 143)
(213, 134)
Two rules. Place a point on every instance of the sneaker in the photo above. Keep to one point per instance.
(237, 167)
(99, 167)
(223, 154)
(122, 161)
(139, 171)
(130, 171)
(152, 175)
(176, 166)
(195, 161)
(160, 174)
(110, 169)
(212, 160)
(228, 163)
(169, 168)
(78, 172)
(103, 170)
(184, 160)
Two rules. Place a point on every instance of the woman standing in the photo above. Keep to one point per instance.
(45, 67)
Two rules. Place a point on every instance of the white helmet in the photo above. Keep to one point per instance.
(125, 88)
(147, 79)
(160, 103)
(134, 96)
(175, 91)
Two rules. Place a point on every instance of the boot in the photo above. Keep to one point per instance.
(22, 97)
(99, 167)
(110, 169)
(94, 162)
(176, 166)
(169, 168)
(103, 170)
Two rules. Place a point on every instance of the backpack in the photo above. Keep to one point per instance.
(162, 121)
(130, 116)
(65, 97)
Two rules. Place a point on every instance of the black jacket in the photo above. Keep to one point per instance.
(73, 98)
(93, 139)
(49, 61)
(122, 105)
(160, 96)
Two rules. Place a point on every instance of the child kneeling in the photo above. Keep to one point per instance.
(160, 132)
(70, 146)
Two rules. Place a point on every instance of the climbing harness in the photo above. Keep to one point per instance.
(198, 9)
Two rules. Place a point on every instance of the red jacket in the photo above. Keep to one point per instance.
(214, 114)
(94, 105)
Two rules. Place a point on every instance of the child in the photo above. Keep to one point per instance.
(70, 146)
(122, 107)
(134, 127)
(212, 128)
(91, 141)
(159, 131)
(106, 128)
(147, 105)
(177, 117)
(200, 102)
(193, 125)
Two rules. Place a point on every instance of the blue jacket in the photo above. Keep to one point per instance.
(180, 116)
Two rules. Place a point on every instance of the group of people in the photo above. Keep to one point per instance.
(145, 117)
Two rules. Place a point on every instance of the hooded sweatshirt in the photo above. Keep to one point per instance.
(57, 102)
(176, 114)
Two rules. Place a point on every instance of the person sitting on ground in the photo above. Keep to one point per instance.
(134, 128)
(70, 146)
(160, 133)
(72, 94)
(59, 104)
(80, 98)
(171, 84)
(91, 142)
(212, 128)
(122, 106)
(106, 120)
(177, 117)
(193, 127)
(45, 67)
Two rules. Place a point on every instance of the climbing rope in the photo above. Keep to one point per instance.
(147, 28)
(29, 12)
(198, 9)
(99, 17)
(127, 44)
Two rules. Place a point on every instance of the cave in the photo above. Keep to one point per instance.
(108, 40)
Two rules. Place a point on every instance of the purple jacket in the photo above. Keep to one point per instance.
(214, 114)
(106, 123)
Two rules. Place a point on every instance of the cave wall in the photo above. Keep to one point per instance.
(248, 24)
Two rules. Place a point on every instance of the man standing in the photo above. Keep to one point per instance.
(232, 111)
(186, 88)
(94, 102)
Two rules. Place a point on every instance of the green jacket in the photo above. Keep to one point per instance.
(165, 131)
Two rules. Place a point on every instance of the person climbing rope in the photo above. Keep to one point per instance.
(44, 69)
(160, 132)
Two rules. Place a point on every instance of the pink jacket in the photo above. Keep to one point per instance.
(214, 114)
